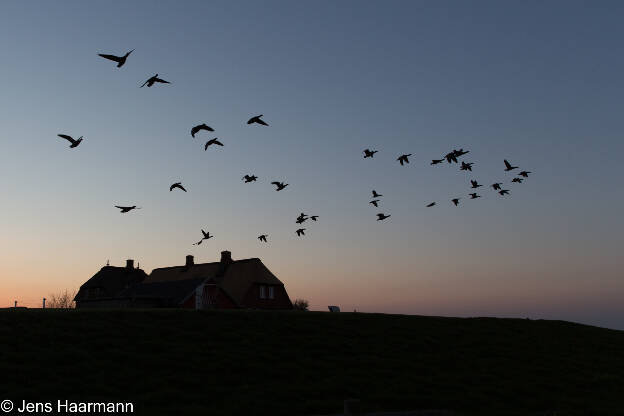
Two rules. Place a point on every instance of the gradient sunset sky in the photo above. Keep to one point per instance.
(538, 83)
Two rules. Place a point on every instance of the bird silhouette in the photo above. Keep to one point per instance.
(74, 143)
(517, 180)
(369, 153)
(455, 201)
(474, 196)
(205, 237)
(496, 186)
(257, 120)
(263, 237)
(475, 185)
(436, 161)
(151, 81)
(248, 178)
(314, 217)
(431, 204)
(504, 191)
(524, 173)
(213, 141)
(199, 127)
(374, 202)
(466, 166)
(126, 209)
(403, 158)
(381, 217)
(300, 232)
(121, 60)
(177, 185)
(450, 157)
(508, 166)
(376, 195)
(280, 185)
(301, 218)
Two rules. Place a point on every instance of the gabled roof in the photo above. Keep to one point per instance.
(112, 280)
(240, 275)
(235, 278)
(183, 272)
(172, 293)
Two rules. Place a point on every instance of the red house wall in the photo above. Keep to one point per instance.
(251, 299)
(222, 300)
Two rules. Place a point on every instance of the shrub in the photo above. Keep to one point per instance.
(300, 305)
(62, 300)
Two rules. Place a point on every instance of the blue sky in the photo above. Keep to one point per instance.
(538, 83)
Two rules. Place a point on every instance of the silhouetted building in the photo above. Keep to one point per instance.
(103, 289)
(225, 284)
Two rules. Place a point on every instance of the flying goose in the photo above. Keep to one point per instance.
(121, 60)
(280, 185)
(257, 120)
(177, 185)
(199, 127)
(74, 143)
(126, 209)
(153, 80)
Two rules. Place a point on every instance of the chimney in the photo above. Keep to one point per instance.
(129, 264)
(226, 257)
(189, 261)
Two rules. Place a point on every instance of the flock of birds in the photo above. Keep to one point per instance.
(451, 157)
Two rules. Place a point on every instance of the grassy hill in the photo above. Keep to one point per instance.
(302, 363)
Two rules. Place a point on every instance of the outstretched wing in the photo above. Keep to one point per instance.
(275, 183)
(111, 57)
(144, 83)
(218, 142)
(66, 137)
(261, 122)
(507, 164)
(162, 81)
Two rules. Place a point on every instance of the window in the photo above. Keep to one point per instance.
(271, 292)
(262, 292)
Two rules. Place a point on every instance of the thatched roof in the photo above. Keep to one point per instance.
(111, 280)
(235, 277)
(170, 293)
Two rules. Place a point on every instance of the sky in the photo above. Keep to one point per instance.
(537, 83)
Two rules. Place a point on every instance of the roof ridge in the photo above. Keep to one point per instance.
(203, 264)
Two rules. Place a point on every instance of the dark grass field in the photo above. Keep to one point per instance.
(303, 363)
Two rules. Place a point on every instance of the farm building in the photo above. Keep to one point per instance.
(226, 284)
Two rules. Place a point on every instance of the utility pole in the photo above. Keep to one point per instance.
(43, 303)
(15, 305)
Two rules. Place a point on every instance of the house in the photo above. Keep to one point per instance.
(102, 289)
(226, 284)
